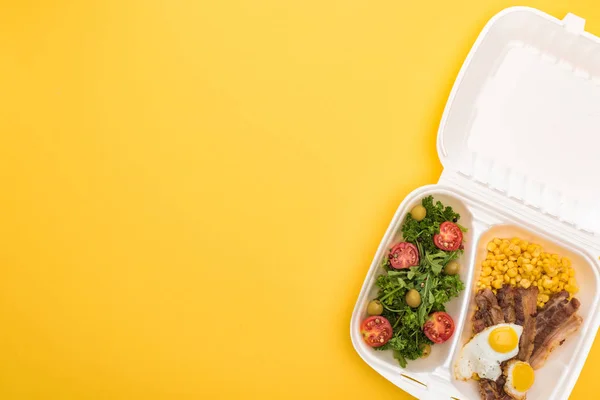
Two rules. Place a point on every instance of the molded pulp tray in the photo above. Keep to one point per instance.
(498, 201)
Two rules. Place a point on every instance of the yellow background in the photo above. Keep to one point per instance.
(192, 191)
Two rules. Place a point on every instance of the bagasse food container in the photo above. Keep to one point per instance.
(520, 144)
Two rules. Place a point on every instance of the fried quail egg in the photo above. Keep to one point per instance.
(519, 378)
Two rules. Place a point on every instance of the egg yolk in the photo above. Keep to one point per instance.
(523, 376)
(503, 339)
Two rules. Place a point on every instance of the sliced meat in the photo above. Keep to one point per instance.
(488, 390)
(525, 315)
(478, 323)
(554, 339)
(557, 311)
(506, 301)
(488, 313)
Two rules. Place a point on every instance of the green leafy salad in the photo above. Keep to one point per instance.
(421, 276)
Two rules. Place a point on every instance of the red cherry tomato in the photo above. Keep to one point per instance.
(404, 255)
(439, 327)
(450, 237)
(376, 331)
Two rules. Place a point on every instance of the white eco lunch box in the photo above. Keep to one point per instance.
(520, 144)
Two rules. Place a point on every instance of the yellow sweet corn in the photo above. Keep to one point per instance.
(520, 263)
(525, 283)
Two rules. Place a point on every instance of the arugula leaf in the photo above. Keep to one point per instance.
(435, 261)
(401, 360)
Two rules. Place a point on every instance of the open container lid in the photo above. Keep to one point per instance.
(522, 124)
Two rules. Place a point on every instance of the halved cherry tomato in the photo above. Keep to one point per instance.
(450, 237)
(404, 255)
(439, 327)
(376, 330)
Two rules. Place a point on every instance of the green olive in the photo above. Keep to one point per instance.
(413, 298)
(452, 268)
(426, 350)
(418, 213)
(374, 307)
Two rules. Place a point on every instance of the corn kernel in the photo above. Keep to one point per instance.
(536, 253)
(486, 263)
(497, 284)
(512, 272)
(501, 257)
(575, 289)
(513, 258)
(566, 262)
(572, 282)
(560, 286)
(568, 288)
(534, 260)
(520, 270)
(571, 272)
(524, 245)
(509, 253)
(489, 256)
(497, 241)
(527, 254)
(504, 268)
(491, 246)
(510, 264)
(531, 248)
(495, 273)
(564, 277)
(513, 282)
(518, 278)
(547, 284)
(496, 252)
(517, 250)
(515, 241)
(486, 271)
(486, 280)
(506, 279)
(543, 298)
(493, 263)
(525, 283)
(528, 268)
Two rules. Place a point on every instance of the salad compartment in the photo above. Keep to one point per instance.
(441, 353)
